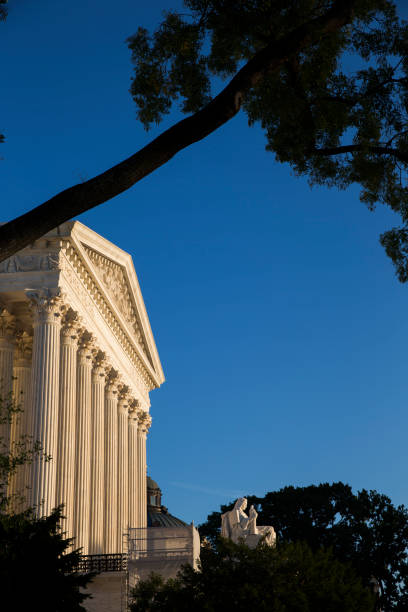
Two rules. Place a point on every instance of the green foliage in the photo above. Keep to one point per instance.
(290, 578)
(364, 529)
(36, 569)
(336, 111)
(3, 9)
(15, 454)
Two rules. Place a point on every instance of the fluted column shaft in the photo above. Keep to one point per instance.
(133, 469)
(144, 423)
(83, 445)
(141, 464)
(6, 376)
(123, 471)
(22, 423)
(96, 528)
(45, 391)
(67, 421)
(111, 469)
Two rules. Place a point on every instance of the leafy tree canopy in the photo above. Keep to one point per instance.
(3, 9)
(326, 79)
(290, 578)
(37, 563)
(14, 454)
(365, 529)
(333, 103)
(36, 568)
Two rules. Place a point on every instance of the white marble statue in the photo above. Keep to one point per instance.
(241, 528)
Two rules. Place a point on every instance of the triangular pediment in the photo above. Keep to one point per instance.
(97, 277)
(115, 282)
(113, 271)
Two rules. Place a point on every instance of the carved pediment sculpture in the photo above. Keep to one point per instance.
(115, 283)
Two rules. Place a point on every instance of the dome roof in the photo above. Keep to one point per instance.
(158, 515)
(162, 518)
(151, 484)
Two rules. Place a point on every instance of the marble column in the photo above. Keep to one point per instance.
(7, 328)
(133, 465)
(67, 419)
(143, 427)
(111, 465)
(96, 528)
(22, 423)
(123, 471)
(83, 443)
(46, 307)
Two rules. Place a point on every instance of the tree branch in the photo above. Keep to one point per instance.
(378, 150)
(23, 230)
(352, 101)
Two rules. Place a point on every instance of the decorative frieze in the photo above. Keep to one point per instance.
(30, 263)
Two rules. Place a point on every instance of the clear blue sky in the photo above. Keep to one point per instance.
(281, 327)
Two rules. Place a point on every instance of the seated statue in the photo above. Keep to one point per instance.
(241, 528)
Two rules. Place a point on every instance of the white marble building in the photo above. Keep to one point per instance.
(77, 349)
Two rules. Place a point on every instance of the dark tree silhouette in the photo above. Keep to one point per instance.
(289, 578)
(326, 79)
(364, 529)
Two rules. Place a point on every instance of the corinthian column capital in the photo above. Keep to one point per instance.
(45, 304)
(86, 346)
(123, 399)
(134, 407)
(112, 383)
(70, 327)
(144, 420)
(7, 325)
(99, 367)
